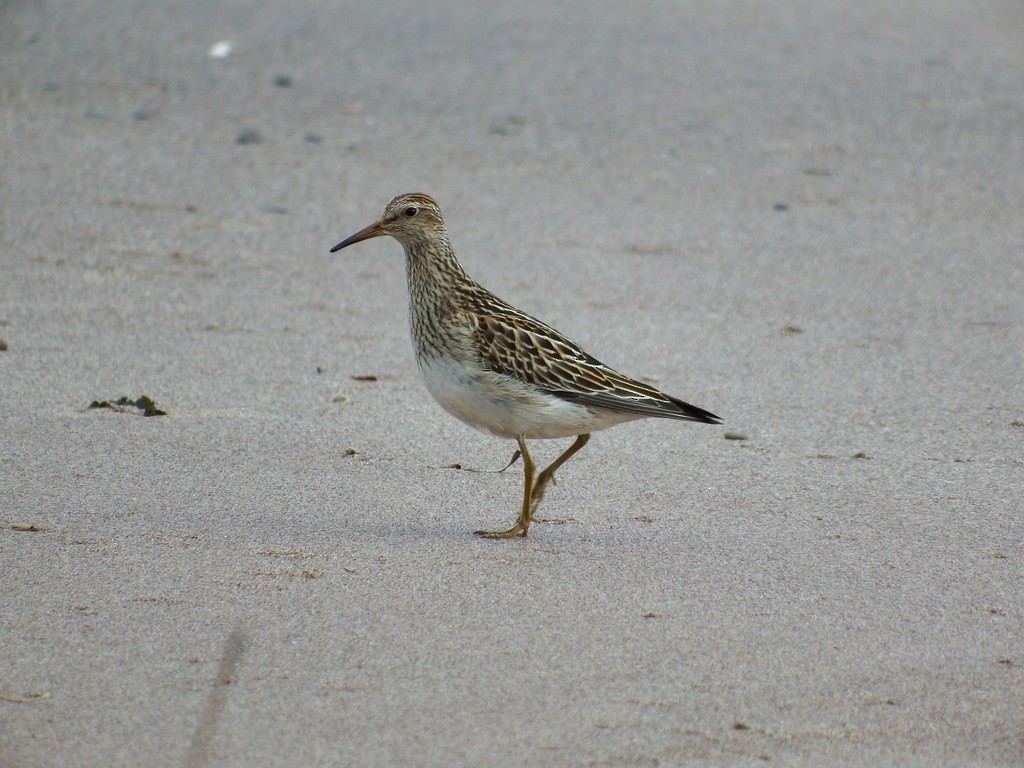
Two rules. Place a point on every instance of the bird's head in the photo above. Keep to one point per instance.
(410, 218)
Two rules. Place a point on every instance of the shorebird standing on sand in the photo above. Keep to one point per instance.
(498, 369)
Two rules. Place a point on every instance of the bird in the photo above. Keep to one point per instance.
(499, 369)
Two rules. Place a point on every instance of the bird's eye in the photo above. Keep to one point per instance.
(410, 211)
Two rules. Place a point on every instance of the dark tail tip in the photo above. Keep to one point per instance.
(693, 413)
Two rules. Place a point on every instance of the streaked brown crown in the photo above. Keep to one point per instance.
(412, 218)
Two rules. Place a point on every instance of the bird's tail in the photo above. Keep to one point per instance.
(693, 413)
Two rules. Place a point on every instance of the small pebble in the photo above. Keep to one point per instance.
(248, 136)
(341, 397)
(781, 206)
(283, 81)
(220, 49)
(143, 114)
(3, 345)
(313, 138)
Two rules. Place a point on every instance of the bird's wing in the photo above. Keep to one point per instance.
(515, 344)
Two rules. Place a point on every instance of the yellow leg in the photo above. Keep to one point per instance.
(523, 524)
(548, 475)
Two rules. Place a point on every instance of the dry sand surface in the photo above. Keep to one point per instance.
(806, 217)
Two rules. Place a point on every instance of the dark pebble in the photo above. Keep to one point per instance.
(248, 136)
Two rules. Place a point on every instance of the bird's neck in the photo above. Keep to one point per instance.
(432, 270)
(436, 283)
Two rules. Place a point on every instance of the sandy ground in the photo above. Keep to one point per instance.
(806, 217)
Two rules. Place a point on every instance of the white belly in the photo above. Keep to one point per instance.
(504, 407)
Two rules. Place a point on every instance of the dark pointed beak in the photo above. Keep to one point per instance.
(374, 230)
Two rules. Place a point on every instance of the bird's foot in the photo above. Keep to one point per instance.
(516, 530)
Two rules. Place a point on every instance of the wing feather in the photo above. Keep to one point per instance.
(514, 344)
